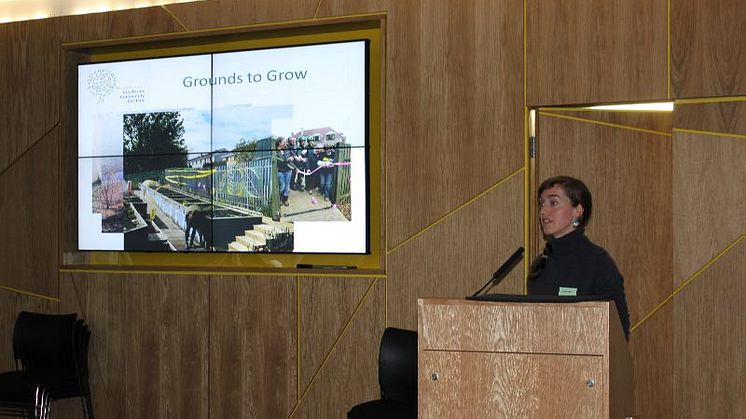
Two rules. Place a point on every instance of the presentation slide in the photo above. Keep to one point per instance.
(247, 151)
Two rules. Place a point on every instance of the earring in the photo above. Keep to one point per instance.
(575, 223)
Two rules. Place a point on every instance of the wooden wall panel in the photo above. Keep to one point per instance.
(724, 117)
(149, 343)
(599, 51)
(457, 256)
(327, 307)
(709, 337)
(30, 79)
(707, 48)
(28, 201)
(629, 174)
(459, 127)
(101, 300)
(214, 14)
(350, 375)
(327, 8)
(653, 353)
(709, 178)
(166, 346)
(253, 346)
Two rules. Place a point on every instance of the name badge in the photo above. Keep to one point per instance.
(567, 292)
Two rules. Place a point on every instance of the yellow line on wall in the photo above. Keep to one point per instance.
(526, 146)
(687, 282)
(711, 133)
(334, 345)
(668, 48)
(455, 210)
(316, 12)
(678, 102)
(606, 124)
(30, 294)
(173, 16)
(28, 149)
(126, 271)
(298, 337)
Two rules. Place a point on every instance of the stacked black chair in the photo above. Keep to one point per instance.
(51, 352)
(22, 395)
(397, 377)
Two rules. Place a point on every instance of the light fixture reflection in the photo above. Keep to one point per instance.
(18, 10)
(640, 107)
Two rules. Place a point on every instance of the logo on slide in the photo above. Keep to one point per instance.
(101, 82)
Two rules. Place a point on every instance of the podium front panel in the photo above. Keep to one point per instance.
(505, 385)
(576, 328)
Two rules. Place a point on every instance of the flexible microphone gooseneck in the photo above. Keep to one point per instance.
(502, 271)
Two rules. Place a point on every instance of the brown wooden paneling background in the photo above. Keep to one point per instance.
(595, 51)
(709, 258)
(181, 345)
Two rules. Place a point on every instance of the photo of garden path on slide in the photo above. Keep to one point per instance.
(281, 177)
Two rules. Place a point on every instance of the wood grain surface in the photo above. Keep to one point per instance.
(707, 48)
(598, 51)
(709, 336)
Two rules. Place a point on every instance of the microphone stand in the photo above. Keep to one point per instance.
(502, 270)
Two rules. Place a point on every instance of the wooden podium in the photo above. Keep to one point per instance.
(479, 359)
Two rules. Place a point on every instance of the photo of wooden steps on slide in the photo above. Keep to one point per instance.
(255, 240)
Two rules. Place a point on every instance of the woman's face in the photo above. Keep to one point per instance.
(556, 212)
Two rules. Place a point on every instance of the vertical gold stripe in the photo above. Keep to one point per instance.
(668, 47)
(298, 337)
(526, 148)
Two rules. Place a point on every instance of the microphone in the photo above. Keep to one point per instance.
(502, 271)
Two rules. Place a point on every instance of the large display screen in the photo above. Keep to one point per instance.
(260, 150)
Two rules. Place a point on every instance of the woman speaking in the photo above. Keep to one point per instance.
(571, 265)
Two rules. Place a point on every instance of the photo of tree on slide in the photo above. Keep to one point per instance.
(108, 193)
(160, 134)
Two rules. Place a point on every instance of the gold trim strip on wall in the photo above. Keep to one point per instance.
(298, 337)
(668, 49)
(316, 12)
(678, 102)
(454, 211)
(710, 133)
(606, 124)
(687, 282)
(30, 294)
(334, 345)
(323, 274)
(526, 146)
(173, 16)
(29, 148)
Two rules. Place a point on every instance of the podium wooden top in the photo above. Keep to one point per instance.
(578, 328)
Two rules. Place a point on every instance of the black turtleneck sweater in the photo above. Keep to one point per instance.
(579, 266)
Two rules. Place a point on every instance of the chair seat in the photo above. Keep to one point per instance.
(389, 409)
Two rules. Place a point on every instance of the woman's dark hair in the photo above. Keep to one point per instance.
(576, 190)
(578, 194)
